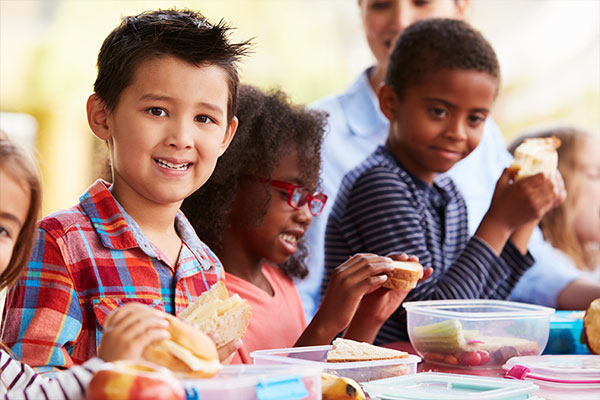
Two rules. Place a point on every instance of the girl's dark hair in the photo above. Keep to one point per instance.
(269, 128)
(184, 34)
(438, 43)
(15, 161)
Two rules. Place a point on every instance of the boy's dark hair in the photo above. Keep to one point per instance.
(184, 34)
(269, 128)
(435, 44)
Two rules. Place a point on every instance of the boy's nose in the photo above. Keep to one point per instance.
(180, 135)
(456, 130)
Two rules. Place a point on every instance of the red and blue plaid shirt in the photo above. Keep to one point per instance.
(88, 260)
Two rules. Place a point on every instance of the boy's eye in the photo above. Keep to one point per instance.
(203, 119)
(438, 112)
(156, 111)
(380, 4)
(476, 119)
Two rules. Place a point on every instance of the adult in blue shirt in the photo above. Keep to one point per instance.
(357, 127)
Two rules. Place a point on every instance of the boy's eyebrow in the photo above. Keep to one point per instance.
(450, 105)
(158, 97)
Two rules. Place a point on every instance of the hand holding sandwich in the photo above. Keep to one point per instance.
(376, 307)
(359, 276)
(129, 329)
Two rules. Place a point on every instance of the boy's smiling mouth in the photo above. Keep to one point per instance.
(169, 165)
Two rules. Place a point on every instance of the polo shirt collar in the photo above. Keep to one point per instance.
(361, 108)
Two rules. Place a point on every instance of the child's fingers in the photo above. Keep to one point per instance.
(130, 310)
(137, 325)
(227, 351)
(426, 273)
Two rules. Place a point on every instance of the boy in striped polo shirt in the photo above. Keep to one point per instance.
(164, 103)
(441, 82)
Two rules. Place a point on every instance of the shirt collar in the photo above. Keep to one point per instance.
(361, 108)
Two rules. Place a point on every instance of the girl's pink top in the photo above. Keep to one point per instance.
(277, 321)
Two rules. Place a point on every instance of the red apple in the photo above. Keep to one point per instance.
(591, 326)
(134, 380)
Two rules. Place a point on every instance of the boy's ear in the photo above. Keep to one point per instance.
(229, 134)
(388, 101)
(97, 116)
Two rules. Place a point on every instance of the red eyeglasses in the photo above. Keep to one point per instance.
(298, 195)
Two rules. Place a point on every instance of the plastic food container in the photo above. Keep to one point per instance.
(258, 382)
(360, 371)
(566, 333)
(559, 376)
(436, 385)
(476, 334)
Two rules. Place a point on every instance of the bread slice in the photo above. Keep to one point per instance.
(345, 350)
(215, 311)
(404, 276)
(536, 155)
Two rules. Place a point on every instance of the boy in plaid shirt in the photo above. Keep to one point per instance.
(164, 103)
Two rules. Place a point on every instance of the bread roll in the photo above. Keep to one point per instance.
(215, 311)
(404, 276)
(188, 351)
(536, 155)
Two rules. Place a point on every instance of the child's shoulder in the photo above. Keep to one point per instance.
(64, 219)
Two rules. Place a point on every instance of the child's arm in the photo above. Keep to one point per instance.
(359, 275)
(42, 311)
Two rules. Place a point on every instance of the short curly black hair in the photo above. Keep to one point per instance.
(435, 44)
(269, 126)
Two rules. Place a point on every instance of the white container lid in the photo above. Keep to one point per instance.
(474, 309)
(441, 386)
(572, 369)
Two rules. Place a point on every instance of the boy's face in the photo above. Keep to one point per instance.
(276, 237)
(438, 122)
(167, 130)
(384, 20)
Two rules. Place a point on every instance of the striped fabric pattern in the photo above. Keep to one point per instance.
(22, 382)
(88, 260)
(382, 209)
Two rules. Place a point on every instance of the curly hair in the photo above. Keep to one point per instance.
(558, 224)
(434, 44)
(269, 126)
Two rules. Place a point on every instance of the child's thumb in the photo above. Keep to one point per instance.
(507, 175)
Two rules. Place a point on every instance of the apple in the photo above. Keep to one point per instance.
(591, 326)
(134, 380)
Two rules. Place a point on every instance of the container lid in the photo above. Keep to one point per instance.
(441, 386)
(474, 309)
(572, 368)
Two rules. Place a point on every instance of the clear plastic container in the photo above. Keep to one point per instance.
(566, 333)
(559, 376)
(441, 386)
(360, 371)
(257, 382)
(476, 334)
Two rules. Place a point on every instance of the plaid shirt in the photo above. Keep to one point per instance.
(87, 261)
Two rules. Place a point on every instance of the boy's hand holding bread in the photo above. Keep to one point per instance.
(525, 192)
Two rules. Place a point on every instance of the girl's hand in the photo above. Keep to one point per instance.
(129, 329)
(360, 275)
(375, 308)
(228, 350)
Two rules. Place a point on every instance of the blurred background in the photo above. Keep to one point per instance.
(549, 52)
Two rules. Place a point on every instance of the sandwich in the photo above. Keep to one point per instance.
(536, 155)
(188, 351)
(404, 276)
(346, 350)
(215, 311)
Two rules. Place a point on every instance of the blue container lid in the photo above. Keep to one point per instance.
(441, 386)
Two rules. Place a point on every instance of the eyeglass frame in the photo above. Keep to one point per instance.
(290, 187)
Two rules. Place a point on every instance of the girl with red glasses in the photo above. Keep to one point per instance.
(253, 213)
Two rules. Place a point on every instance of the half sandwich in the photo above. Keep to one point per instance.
(404, 276)
(215, 311)
(536, 155)
(346, 350)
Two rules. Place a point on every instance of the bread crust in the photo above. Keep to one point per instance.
(404, 276)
